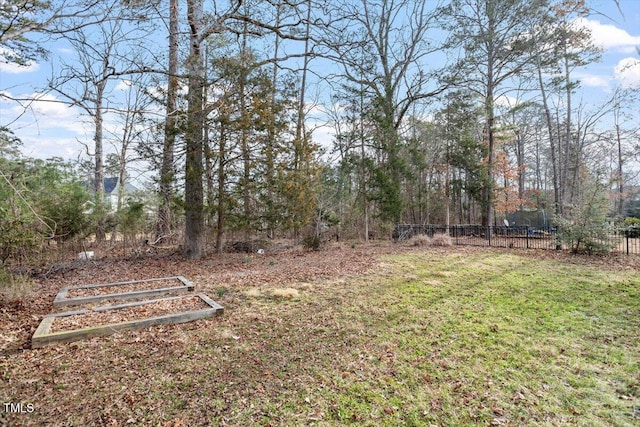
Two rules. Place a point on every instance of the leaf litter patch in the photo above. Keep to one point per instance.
(135, 289)
(106, 320)
(124, 312)
(104, 309)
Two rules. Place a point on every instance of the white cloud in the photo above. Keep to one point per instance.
(157, 91)
(609, 36)
(323, 134)
(65, 51)
(46, 126)
(43, 108)
(35, 104)
(48, 105)
(12, 68)
(46, 146)
(593, 80)
(627, 73)
(506, 101)
(18, 69)
(124, 85)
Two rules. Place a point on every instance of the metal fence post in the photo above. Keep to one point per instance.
(626, 233)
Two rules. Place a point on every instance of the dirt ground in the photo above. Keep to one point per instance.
(220, 274)
(226, 278)
(216, 275)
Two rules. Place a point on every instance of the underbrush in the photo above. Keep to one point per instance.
(14, 286)
(438, 239)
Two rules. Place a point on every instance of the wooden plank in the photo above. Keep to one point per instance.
(62, 299)
(62, 295)
(42, 337)
(44, 327)
(212, 303)
(136, 303)
(185, 281)
(128, 282)
(120, 296)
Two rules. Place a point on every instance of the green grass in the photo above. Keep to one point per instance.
(502, 339)
(457, 339)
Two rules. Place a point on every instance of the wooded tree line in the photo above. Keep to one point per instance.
(450, 113)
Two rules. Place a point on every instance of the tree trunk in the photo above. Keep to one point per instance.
(163, 225)
(244, 137)
(558, 205)
(271, 139)
(129, 124)
(363, 171)
(569, 152)
(194, 246)
(487, 217)
(99, 170)
(521, 168)
(221, 188)
(619, 176)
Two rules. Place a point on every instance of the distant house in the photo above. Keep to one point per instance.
(111, 191)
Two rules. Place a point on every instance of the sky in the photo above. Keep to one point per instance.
(49, 128)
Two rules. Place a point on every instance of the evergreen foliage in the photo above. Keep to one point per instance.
(235, 152)
(584, 228)
(39, 200)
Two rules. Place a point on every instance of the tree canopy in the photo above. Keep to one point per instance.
(455, 112)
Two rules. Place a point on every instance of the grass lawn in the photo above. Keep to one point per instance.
(425, 338)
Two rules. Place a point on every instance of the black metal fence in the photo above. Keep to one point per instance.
(620, 239)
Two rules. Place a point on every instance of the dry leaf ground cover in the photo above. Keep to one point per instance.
(124, 288)
(128, 312)
(371, 335)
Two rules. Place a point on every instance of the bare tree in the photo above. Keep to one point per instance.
(167, 168)
(131, 130)
(623, 133)
(21, 18)
(492, 35)
(396, 38)
(558, 46)
(104, 53)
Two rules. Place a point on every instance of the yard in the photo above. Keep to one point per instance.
(377, 334)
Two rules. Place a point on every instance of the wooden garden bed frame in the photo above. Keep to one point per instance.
(63, 300)
(43, 336)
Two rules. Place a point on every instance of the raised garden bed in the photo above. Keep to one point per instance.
(134, 289)
(106, 320)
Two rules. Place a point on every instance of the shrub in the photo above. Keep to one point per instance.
(584, 229)
(20, 234)
(420, 240)
(441, 239)
(311, 242)
(39, 200)
(13, 286)
(581, 237)
(132, 220)
(64, 212)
